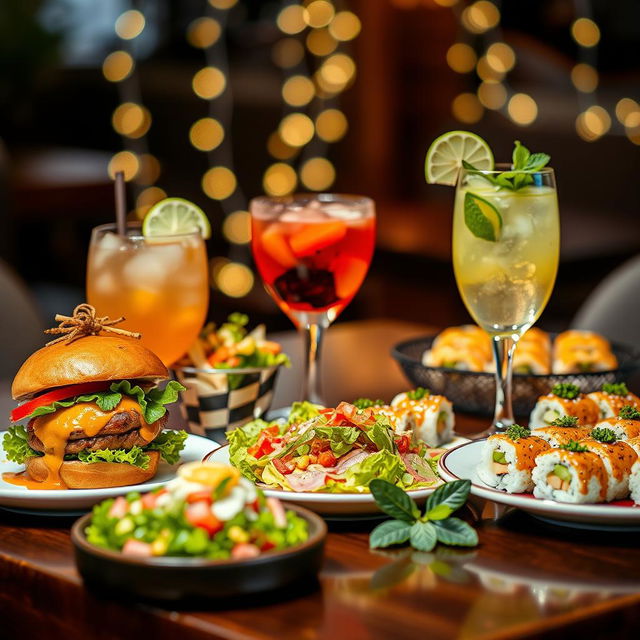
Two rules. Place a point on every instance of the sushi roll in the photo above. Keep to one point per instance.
(429, 417)
(580, 351)
(570, 474)
(531, 358)
(618, 458)
(564, 400)
(613, 398)
(634, 478)
(537, 336)
(625, 426)
(466, 348)
(508, 458)
(562, 431)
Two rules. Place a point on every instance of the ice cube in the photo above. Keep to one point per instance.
(341, 212)
(147, 269)
(106, 283)
(112, 242)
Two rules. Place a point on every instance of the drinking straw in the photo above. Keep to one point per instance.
(121, 205)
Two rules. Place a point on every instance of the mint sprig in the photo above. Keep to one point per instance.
(424, 531)
(524, 164)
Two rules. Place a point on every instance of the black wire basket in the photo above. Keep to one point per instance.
(474, 392)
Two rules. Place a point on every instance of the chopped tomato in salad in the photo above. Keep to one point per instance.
(337, 450)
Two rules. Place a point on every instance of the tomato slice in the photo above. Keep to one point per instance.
(63, 393)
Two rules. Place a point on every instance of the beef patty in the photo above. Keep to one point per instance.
(121, 432)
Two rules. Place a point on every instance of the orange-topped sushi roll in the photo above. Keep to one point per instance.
(612, 398)
(429, 417)
(626, 425)
(564, 400)
(618, 458)
(466, 348)
(508, 459)
(580, 351)
(531, 358)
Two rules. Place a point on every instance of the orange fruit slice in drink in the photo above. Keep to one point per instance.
(349, 274)
(274, 242)
(317, 236)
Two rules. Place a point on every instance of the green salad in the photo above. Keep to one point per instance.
(208, 511)
(331, 450)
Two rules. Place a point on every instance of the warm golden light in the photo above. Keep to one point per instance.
(345, 26)
(287, 53)
(296, 129)
(331, 125)
(522, 109)
(215, 265)
(291, 19)
(634, 135)
(317, 174)
(467, 108)
(279, 179)
(219, 183)
(318, 13)
(585, 32)
(235, 279)
(203, 32)
(501, 57)
(279, 149)
(117, 66)
(593, 123)
(149, 171)
(492, 95)
(446, 3)
(131, 120)
(298, 91)
(237, 227)
(206, 134)
(480, 16)
(486, 72)
(209, 83)
(461, 57)
(320, 42)
(130, 24)
(223, 4)
(584, 77)
(126, 162)
(147, 198)
(628, 112)
(336, 72)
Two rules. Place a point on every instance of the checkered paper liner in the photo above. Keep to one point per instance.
(212, 412)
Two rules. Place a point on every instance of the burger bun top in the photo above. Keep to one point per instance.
(88, 359)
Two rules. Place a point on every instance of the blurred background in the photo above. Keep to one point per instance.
(221, 100)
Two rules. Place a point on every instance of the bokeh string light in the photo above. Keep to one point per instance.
(480, 19)
(131, 119)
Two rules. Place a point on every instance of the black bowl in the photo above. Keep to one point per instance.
(172, 578)
(475, 392)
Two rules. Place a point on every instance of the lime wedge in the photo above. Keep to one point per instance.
(174, 216)
(482, 218)
(446, 153)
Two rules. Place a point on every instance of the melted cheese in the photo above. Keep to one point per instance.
(54, 430)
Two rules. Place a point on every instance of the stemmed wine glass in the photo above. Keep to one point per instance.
(506, 245)
(313, 252)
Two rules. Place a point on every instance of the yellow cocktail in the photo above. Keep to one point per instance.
(506, 282)
(160, 284)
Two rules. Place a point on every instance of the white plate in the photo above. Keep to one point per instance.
(15, 497)
(461, 463)
(332, 504)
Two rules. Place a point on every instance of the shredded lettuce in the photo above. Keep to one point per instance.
(241, 439)
(169, 443)
(152, 402)
(16, 446)
(381, 434)
(341, 439)
(134, 456)
(382, 464)
(303, 411)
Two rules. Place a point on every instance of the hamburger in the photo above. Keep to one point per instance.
(94, 414)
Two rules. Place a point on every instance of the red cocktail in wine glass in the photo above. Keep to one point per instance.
(313, 252)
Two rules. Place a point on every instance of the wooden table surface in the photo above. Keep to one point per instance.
(525, 579)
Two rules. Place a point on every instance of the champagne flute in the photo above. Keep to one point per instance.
(313, 252)
(506, 245)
